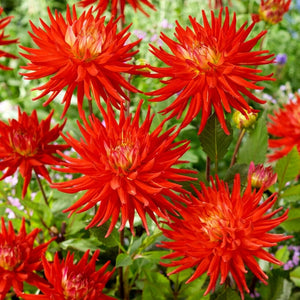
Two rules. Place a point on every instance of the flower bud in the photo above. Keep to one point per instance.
(261, 176)
(272, 11)
(244, 120)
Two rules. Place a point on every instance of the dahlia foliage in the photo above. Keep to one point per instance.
(81, 53)
(125, 169)
(19, 259)
(25, 144)
(3, 39)
(210, 67)
(148, 126)
(221, 232)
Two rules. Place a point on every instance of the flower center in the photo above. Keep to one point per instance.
(9, 257)
(23, 143)
(75, 286)
(122, 156)
(202, 58)
(85, 41)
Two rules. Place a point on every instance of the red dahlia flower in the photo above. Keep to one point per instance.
(221, 232)
(19, 259)
(25, 144)
(125, 168)
(117, 6)
(3, 39)
(285, 127)
(81, 53)
(210, 67)
(71, 281)
(272, 11)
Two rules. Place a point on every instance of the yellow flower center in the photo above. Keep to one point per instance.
(85, 42)
(122, 156)
(212, 224)
(9, 257)
(23, 143)
(75, 286)
(202, 58)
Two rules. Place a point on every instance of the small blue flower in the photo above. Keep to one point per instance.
(281, 59)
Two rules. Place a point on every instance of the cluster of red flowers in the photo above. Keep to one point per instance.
(127, 167)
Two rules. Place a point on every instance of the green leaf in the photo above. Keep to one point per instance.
(156, 286)
(123, 260)
(283, 255)
(291, 194)
(241, 169)
(278, 288)
(295, 276)
(99, 232)
(292, 224)
(287, 168)
(255, 144)
(229, 294)
(214, 140)
(80, 244)
(193, 290)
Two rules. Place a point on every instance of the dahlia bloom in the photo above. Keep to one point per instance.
(221, 232)
(125, 168)
(261, 176)
(209, 67)
(3, 39)
(19, 259)
(285, 128)
(271, 11)
(117, 6)
(69, 281)
(25, 144)
(81, 53)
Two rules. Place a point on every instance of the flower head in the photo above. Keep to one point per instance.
(81, 53)
(117, 6)
(210, 67)
(3, 39)
(221, 232)
(285, 128)
(25, 144)
(261, 176)
(280, 59)
(19, 259)
(272, 11)
(125, 168)
(70, 281)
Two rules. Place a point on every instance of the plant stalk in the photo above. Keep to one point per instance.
(41, 188)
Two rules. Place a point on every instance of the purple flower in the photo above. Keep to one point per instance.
(281, 59)
(165, 24)
(139, 33)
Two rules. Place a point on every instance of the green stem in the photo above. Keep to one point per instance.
(123, 276)
(41, 188)
(237, 146)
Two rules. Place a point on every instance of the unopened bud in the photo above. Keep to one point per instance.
(261, 176)
(244, 121)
